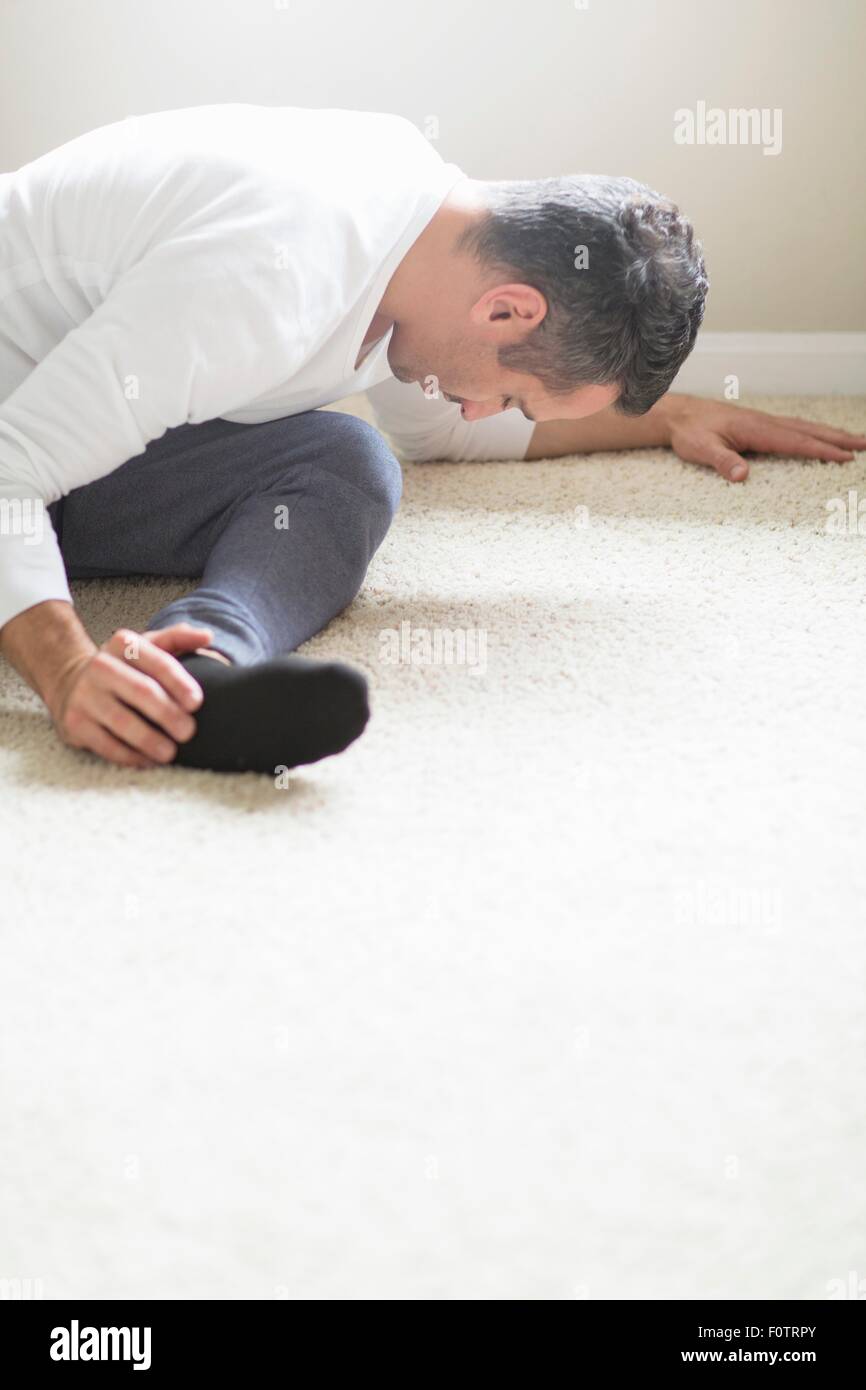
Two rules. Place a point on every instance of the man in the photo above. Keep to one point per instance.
(180, 292)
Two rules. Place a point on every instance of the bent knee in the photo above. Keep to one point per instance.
(365, 459)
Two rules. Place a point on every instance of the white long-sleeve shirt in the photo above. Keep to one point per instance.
(214, 261)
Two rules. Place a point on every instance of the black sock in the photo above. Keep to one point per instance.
(278, 713)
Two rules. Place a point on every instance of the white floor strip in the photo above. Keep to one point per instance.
(776, 363)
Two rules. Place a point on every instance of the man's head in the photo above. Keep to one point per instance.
(560, 296)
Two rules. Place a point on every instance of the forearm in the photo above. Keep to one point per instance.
(45, 644)
(606, 430)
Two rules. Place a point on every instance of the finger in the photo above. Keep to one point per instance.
(181, 637)
(727, 463)
(820, 431)
(149, 698)
(149, 657)
(780, 439)
(131, 651)
(94, 739)
(131, 729)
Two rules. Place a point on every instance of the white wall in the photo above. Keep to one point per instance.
(518, 89)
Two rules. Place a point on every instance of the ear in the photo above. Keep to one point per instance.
(511, 311)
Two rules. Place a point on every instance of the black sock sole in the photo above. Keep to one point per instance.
(276, 714)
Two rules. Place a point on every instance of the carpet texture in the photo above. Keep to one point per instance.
(550, 987)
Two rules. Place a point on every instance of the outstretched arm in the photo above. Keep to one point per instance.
(709, 432)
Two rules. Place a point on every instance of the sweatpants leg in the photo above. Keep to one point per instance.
(280, 520)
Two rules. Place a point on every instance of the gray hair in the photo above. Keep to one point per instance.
(630, 316)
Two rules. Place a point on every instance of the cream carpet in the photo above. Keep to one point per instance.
(551, 987)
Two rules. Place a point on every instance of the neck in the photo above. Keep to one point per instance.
(429, 263)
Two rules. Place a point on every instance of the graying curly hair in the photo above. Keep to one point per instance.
(631, 316)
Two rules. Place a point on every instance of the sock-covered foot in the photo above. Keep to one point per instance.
(278, 713)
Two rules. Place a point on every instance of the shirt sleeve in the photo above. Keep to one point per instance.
(423, 428)
(164, 348)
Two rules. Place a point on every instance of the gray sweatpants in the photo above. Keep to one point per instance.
(280, 520)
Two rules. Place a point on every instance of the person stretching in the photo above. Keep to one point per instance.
(181, 293)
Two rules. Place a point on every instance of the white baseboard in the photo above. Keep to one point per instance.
(777, 364)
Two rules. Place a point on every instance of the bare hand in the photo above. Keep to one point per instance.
(714, 433)
(102, 699)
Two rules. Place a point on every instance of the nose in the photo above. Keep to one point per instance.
(479, 410)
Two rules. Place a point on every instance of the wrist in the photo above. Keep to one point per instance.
(48, 645)
(670, 409)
